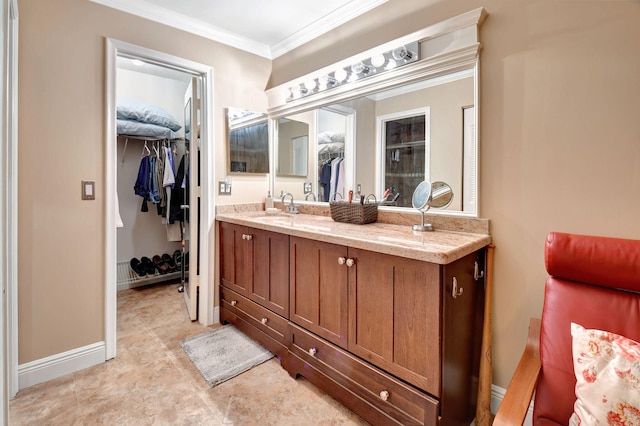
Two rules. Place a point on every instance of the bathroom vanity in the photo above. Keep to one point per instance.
(386, 320)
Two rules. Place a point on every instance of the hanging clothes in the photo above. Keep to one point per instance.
(142, 185)
(325, 180)
(180, 193)
(168, 181)
(335, 177)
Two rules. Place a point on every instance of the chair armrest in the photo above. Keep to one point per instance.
(515, 404)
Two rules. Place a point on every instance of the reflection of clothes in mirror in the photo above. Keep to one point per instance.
(337, 178)
(325, 180)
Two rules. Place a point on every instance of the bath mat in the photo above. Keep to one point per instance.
(223, 353)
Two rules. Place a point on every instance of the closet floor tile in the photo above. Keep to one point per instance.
(152, 381)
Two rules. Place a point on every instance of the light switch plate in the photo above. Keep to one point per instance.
(224, 188)
(88, 189)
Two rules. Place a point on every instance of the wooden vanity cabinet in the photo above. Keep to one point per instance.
(416, 321)
(394, 339)
(255, 264)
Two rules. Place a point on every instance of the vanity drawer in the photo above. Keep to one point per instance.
(399, 400)
(261, 318)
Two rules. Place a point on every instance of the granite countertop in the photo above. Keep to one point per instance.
(439, 246)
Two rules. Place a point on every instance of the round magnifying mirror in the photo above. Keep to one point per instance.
(420, 200)
(441, 195)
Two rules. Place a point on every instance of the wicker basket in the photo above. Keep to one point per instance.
(356, 213)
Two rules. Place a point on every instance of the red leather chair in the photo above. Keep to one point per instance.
(595, 282)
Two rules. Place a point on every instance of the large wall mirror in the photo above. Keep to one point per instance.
(248, 137)
(408, 125)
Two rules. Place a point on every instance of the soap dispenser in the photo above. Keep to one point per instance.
(268, 201)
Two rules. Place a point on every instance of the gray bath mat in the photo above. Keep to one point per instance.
(223, 353)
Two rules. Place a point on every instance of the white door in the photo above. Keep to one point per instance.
(191, 246)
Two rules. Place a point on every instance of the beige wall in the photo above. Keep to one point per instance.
(558, 123)
(61, 142)
(559, 140)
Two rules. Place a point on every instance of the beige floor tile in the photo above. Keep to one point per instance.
(152, 381)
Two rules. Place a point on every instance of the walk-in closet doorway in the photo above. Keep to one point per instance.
(148, 233)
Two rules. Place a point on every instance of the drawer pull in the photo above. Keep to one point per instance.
(384, 395)
(264, 320)
(350, 262)
(341, 260)
(313, 351)
(234, 302)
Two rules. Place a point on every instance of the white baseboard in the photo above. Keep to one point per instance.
(54, 366)
(216, 315)
(497, 395)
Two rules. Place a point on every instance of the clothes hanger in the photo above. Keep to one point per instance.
(145, 150)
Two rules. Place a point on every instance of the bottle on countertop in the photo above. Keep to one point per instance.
(268, 201)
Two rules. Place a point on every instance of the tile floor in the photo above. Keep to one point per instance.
(152, 381)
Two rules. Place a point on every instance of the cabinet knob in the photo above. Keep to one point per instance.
(350, 262)
(264, 320)
(249, 236)
(313, 351)
(341, 260)
(384, 395)
(244, 236)
(234, 302)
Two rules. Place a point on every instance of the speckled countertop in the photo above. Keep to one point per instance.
(440, 246)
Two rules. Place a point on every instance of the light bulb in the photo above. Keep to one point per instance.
(311, 84)
(378, 60)
(361, 68)
(340, 75)
(402, 53)
(327, 81)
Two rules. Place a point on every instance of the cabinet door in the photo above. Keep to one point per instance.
(270, 287)
(394, 316)
(235, 258)
(462, 337)
(318, 300)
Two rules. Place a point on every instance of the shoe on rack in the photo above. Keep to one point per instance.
(160, 265)
(177, 258)
(137, 267)
(148, 265)
(170, 262)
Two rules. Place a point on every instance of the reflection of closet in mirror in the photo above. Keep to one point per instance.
(405, 140)
(334, 142)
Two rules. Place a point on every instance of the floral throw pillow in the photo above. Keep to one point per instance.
(607, 369)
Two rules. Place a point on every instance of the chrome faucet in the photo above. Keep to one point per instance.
(291, 208)
(306, 196)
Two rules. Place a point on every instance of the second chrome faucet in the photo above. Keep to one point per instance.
(291, 207)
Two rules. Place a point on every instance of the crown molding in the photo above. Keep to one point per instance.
(182, 22)
(324, 25)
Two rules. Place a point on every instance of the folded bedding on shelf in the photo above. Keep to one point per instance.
(135, 110)
(137, 128)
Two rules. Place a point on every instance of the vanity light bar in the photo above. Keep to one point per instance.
(376, 64)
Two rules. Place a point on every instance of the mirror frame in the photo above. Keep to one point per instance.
(445, 47)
